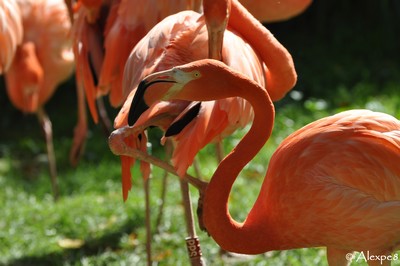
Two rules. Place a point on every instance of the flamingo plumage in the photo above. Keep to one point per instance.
(103, 41)
(104, 33)
(11, 32)
(334, 182)
(42, 61)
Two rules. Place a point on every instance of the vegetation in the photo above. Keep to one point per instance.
(345, 58)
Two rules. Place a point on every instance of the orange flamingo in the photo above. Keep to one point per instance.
(172, 42)
(182, 38)
(11, 32)
(104, 34)
(333, 183)
(42, 61)
(273, 10)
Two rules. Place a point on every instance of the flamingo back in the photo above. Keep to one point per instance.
(341, 174)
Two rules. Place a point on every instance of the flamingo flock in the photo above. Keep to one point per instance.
(200, 70)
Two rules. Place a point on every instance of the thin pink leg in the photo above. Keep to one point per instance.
(48, 133)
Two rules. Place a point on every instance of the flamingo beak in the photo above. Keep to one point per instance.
(138, 105)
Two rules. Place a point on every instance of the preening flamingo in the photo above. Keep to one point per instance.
(104, 34)
(187, 43)
(11, 32)
(102, 45)
(42, 61)
(182, 38)
(333, 183)
(274, 10)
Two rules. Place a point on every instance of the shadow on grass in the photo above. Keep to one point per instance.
(91, 247)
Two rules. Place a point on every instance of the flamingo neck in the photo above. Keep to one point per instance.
(253, 235)
(216, 14)
(280, 73)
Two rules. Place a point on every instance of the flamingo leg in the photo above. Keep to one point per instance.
(339, 257)
(80, 131)
(118, 147)
(104, 120)
(168, 152)
(192, 242)
(219, 151)
(148, 221)
(48, 133)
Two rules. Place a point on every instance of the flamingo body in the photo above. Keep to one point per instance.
(336, 183)
(44, 58)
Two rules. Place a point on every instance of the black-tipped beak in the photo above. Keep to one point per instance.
(184, 119)
(138, 106)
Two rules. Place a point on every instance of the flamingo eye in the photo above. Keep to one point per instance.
(196, 74)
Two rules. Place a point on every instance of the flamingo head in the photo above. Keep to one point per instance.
(195, 81)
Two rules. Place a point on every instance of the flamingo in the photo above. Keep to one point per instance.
(11, 32)
(104, 34)
(275, 11)
(334, 183)
(42, 61)
(102, 45)
(170, 43)
(182, 38)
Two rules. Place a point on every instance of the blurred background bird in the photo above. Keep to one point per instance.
(42, 60)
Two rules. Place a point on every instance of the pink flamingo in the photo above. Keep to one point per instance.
(161, 49)
(102, 46)
(183, 38)
(333, 183)
(42, 61)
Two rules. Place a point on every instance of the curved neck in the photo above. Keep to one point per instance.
(216, 14)
(229, 234)
(280, 73)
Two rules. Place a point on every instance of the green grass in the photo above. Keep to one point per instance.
(107, 231)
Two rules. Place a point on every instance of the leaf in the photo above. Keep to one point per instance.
(68, 243)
